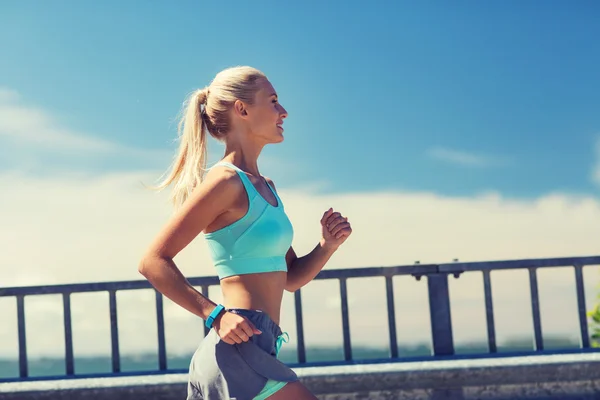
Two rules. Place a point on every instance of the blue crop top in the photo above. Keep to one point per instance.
(257, 242)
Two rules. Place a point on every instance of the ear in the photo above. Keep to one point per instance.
(240, 109)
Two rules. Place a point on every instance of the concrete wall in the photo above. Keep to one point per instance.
(541, 377)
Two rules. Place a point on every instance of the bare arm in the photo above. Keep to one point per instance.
(302, 270)
(209, 200)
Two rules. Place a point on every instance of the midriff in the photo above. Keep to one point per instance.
(260, 291)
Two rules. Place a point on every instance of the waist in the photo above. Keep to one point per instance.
(260, 318)
(255, 292)
(244, 266)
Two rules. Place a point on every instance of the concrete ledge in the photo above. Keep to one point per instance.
(535, 377)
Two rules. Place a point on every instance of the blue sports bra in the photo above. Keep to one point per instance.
(257, 242)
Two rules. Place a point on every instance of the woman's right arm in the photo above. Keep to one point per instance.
(215, 195)
(209, 200)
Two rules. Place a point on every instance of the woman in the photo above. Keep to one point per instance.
(249, 236)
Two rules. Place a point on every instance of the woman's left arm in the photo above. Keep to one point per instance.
(302, 270)
(335, 229)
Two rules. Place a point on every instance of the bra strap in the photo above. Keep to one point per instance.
(245, 180)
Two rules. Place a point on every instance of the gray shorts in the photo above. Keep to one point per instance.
(220, 371)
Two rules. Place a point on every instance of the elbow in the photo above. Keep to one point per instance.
(291, 287)
(151, 265)
(145, 266)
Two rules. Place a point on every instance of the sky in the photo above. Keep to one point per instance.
(467, 130)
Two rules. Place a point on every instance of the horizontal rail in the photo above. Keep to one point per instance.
(418, 269)
(96, 287)
(518, 264)
(210, 280)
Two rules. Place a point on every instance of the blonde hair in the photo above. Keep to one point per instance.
(207, 109)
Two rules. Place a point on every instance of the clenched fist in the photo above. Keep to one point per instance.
(233, 328)
(335, 229)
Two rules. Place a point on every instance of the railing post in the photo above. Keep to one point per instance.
(205, 294)
(69, 362)
(489, 311)
(300, 326)
(23, 370)
(583, 321)
(439, 312)
(160, 326)
(345, 320)
(535, 309)
(114, 332)
(389, 290)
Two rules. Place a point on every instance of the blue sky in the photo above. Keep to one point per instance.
(401, 115)
(454, 98)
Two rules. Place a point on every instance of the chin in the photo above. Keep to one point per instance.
(277, 138)
(272, 137)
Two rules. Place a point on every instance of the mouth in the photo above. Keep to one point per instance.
(280, 126)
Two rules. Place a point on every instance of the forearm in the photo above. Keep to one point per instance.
(164, 275)
(304, 269)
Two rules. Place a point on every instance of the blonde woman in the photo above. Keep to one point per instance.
(249, 235)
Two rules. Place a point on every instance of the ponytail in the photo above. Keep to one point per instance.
(189, 165)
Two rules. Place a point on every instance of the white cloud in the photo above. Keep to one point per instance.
(67, 229)
(31, 126)
(465, 158)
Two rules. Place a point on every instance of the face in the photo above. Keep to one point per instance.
(265, 117)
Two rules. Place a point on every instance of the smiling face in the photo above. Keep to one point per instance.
(265, 117)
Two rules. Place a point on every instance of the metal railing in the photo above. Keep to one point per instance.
(439, 309)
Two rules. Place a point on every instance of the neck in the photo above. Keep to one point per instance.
(243, 154)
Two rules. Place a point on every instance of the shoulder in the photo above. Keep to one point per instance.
(221, 175)
(219, 183)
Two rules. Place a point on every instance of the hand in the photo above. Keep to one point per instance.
(335, 229)
(233, 328)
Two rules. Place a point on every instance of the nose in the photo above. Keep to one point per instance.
(283, 112)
